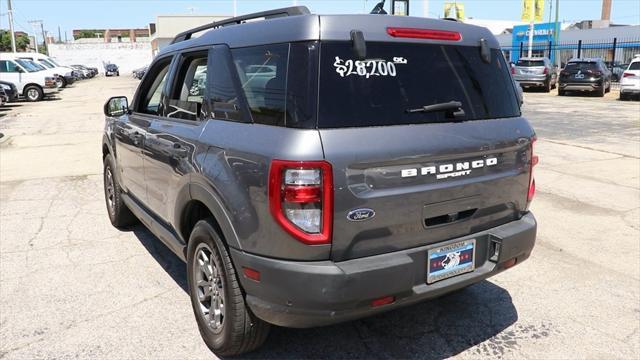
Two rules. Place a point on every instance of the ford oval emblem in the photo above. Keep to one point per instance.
(361, 214)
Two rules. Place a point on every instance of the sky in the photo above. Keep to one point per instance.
(98, 14)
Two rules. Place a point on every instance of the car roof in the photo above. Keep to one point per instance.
(311, 27)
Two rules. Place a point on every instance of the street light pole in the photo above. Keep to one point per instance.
(13, 34)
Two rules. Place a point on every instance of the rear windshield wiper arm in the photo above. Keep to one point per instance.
(453, 107)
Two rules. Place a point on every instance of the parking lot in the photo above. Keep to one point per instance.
(72, 286)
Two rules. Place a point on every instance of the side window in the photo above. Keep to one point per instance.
(151, 90)
(188, 91)
(7, 66)
(223, 99)
(263, 77)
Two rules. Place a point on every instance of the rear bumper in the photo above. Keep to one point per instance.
(586, 86)
(308, 294)
(525, 81)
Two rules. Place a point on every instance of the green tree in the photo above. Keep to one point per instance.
(87, 34)
(22, 42)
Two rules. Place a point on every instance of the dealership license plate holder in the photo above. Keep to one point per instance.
(441, 260)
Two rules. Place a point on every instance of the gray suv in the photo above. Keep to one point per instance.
(535, 72)
(326, 168)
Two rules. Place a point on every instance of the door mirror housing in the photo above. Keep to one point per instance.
(116, 106)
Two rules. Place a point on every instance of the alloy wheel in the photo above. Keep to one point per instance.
(208, 288)
(110, 190)
(32, 94)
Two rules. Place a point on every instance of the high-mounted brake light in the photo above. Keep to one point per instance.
(424, 34)
(301, 199)
(532, 181)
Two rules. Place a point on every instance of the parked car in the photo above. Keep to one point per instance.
(111, 70)
(66, 75)
(630, 83)
(139, 72)
(360, 177)
(585, 74)
(4, 98)
(535, 72)
(10, 90)
(31, 82)
(85, 72)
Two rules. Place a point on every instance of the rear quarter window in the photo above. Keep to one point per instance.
(396, 77)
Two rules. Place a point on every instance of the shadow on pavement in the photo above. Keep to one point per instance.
(435, 329)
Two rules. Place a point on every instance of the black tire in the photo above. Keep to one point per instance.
(600, 92)
(623, 97)
(33, 93)
(608, 88)
(547, 86)
(118, 73)
(238, 330)
(61, 82)
(561, 92)
(119, 214)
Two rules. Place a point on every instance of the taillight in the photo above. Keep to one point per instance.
(532, 181)
(626, 74)
(424, 34)
(513, 70)
(301, 199)
(545, 71)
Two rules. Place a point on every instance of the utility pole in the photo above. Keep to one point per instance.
(44, 35)
(35, 23)
(425, 8)
(13, 35)
(235, 8)
(556, 33)
(59, 34)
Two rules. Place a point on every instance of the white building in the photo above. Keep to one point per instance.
(167, 27)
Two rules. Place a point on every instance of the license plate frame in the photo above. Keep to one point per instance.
(447, 261)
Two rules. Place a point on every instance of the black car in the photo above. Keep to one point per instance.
(10, 90)
(111, 70)
(585, 74)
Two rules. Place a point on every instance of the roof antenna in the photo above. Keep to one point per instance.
(379, 9)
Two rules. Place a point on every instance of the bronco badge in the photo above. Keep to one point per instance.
(361, 214)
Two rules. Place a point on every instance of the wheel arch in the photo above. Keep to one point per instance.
(201, 204)
(26, 86)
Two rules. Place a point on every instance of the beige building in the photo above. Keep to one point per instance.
(167, 27)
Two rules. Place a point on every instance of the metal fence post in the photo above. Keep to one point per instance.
(520, 50)
(579, 48)
(613, 58)
(550, 55)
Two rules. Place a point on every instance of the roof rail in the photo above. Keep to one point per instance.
(269, 14)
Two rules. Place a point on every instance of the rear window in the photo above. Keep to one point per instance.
(397, 77)
(581, 66)
(527, 63)
(635, 66)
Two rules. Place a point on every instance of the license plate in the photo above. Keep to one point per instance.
(451, 260)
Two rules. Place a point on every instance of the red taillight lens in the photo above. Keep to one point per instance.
(513, 70)
(301, 199)
(627, 74)
(532, 181)
(383, 301)
(424, 34)
(545, 71)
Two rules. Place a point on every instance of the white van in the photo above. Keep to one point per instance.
(67, 74)
(32, 82)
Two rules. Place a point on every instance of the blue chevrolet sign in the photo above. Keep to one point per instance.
(542, 34)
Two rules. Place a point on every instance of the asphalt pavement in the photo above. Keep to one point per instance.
(72, 286)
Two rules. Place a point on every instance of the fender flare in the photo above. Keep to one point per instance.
(206, 195)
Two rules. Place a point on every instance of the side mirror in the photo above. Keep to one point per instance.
(116, 106)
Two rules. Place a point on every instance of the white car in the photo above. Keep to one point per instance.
(67, 74)
(32, 82)
(630, 81)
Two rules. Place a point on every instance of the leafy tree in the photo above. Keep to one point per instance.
(88, 34)
(22, 41)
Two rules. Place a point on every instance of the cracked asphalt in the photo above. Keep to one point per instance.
(72, 286)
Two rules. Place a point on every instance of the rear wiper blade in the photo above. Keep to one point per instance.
(452, 108)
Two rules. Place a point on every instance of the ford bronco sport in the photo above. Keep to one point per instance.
(316, 169)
